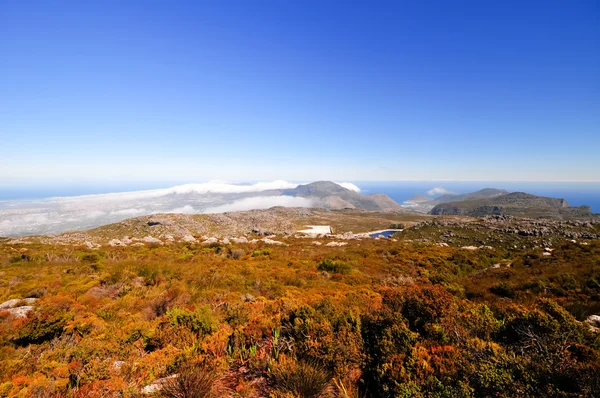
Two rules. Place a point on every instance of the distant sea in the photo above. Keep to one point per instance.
(576, 193)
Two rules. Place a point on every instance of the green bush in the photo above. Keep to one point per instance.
(335, 266)
(41, 326)
(199, 321)
(263, 252)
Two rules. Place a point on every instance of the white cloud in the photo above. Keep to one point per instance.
(438, 191)
(187, 209)
(349, 185)
(127, 212)
(95, 214)
(261, 202)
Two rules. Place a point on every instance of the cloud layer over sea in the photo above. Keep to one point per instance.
(59, 214)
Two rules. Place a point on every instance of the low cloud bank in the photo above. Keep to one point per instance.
(438, 191)
(261, 202)
(214, 187)
(349, 185)
(60, 214)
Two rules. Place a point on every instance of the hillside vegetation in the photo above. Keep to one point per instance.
(432, 312)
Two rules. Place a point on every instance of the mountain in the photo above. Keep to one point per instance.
(424, 204)
(517, 204)
(481, 194)
(333, 196)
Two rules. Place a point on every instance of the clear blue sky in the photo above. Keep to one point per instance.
(299, 90)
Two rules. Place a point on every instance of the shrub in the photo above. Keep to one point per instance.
(263, 252)
(42, 326)
(236, 254)
(192, 381)
(335, 266)
(301, 379)
(503, 289)
(199, 321)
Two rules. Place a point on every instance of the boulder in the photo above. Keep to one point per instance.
(15, 307)
(593, 320)
(189, 238)
(152, 240)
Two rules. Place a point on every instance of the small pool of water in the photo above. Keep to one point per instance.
(384, 234)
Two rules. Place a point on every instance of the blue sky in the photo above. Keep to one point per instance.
(96, 91)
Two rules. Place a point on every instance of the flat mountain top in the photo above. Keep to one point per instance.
(518, 204)
(481, 194)
(424, 204)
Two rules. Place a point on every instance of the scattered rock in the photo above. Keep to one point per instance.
(247, 297)
(272, 242)
(116, 242)
(156, 385)
(117, 365)
(333, 244)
